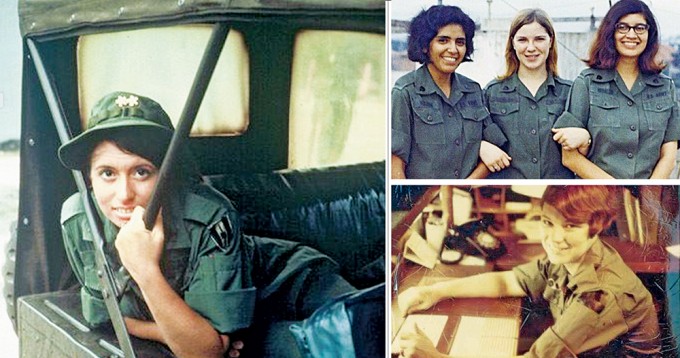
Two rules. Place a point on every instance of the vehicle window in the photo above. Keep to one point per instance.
(337, 99)
(161, 63)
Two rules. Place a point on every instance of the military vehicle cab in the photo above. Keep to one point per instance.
(291, 127)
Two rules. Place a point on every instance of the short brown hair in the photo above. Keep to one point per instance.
(584, 204)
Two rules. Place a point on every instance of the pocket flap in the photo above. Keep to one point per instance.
(660, 105)
(502, 109)
(428, 115)
(475, 114)
(605, 102)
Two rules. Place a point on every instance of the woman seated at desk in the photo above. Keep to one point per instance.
(599, 305)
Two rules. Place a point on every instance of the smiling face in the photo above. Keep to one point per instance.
(120, 181)
(631, 44)
(532, 46)
(564, 242)
(447, 50)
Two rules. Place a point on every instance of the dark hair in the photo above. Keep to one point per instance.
(603, 54)
(584, 204)
(425, 26)
(526, 17)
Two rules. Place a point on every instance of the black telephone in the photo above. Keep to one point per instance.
(471, 238)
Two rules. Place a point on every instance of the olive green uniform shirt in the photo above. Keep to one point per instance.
(439, 137)
(627, 127)
(220, 273)
(527, 120)
(605, 301)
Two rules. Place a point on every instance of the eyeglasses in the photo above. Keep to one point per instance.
(639, 29)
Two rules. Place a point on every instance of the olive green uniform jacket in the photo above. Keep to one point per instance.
(219, 272)
(527, 120)
(627, 127)
(438, 137)
(603, 304)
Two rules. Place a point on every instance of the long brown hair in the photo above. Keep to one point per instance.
(603, 54)
(525, 17)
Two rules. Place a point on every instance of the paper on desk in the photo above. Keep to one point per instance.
(431, 325)
(485, 336)
(674, 250)
(469, 260)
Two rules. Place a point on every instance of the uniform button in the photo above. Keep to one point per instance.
(505, 88)
(630, 103)
(450, 114)
(421, 88)
(455, 173)
(476, 116)
(533, 131)
(503, 111)
(630, 155)
(658, 106)
(533, 106)
(632, 127)
(429, 118)
(534, 160)
(599, 77)
(457, 141)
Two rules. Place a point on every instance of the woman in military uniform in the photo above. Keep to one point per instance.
(438, 116)
(196, 280)
(624, 101)
(527, 99)
(600, 307)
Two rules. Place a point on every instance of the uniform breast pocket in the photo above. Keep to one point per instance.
(506, 115)
(554, 111)
(428, 126)
(473, 123)
(657, 113)
(604, 111)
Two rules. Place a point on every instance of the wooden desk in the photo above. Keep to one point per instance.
(410, 275)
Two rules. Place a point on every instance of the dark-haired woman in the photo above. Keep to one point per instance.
(624, 101)
(438, 116)
(526, 100)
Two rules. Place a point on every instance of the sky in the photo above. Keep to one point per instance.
(10, 71)
(667, 12)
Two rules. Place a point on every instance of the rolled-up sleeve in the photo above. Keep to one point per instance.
(565, 338)
(402, 116)
(227, 310)
(673, 128)
(492, 132)
(577, 110)
(531, 277)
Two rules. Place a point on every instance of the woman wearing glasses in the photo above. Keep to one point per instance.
(623, 100)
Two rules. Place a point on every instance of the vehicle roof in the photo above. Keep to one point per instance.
(41, 17)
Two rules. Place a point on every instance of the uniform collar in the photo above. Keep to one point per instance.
(586, 278)
(513, 83)
(425, 84)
